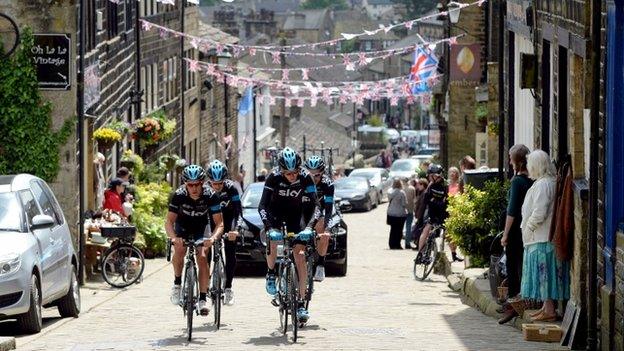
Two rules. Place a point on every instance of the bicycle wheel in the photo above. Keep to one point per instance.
(122, 265)
(294, 296)
(190, 281)
(423, 264)
(433, 254)
(282, 296)
(217, 292)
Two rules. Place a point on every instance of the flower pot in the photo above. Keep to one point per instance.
(104, 145)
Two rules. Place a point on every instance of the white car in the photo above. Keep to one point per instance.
(404, 168)
(38, 264)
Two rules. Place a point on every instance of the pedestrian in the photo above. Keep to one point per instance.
(544, 277)
(410, 196)
(512, 235)
(453, 180)
(466, 163)
(263, 174)
(423, 169)
(112, 196)
(397, 213)
(380, 160)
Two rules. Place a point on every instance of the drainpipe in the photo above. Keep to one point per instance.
(592, 234)
(182, 150)
(501, 91)
(81, 153)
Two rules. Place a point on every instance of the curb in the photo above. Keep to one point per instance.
(7, 343)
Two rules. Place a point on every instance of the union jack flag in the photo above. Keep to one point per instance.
(425, 64)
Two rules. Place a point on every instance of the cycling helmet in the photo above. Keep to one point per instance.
(217, 171)
(192, 173)
(315, 163)
(435, 169)
(289, 159)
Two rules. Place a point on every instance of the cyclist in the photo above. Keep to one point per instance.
(289, 197)
(435, 201)
(189, 210)
(325, 208)
(229, 197)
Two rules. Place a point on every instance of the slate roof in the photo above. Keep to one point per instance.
(312, 19)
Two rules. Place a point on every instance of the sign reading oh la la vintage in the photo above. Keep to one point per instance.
(52, 56)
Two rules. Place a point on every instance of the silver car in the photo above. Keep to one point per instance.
(38, 264)
(378, 177)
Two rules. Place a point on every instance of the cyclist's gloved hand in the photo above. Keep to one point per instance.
(275, 235)
(305, 234)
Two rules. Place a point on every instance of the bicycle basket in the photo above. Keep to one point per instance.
(125, 232)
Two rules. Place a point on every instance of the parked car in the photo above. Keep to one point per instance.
(428, 151)
(378, 177)
(392, 135)
(38, 264)
(404, 168)
(251, 243)
(357, 191)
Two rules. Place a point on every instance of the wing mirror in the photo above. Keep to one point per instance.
(41, 222)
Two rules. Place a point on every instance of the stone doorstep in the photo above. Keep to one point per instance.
(7, 343)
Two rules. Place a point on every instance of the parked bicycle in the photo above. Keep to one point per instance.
(426, 259)
(190, 284)
(217, 281)
(123, 263)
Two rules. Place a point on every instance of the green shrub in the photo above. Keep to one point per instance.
(150, 210)
(375, 121)
(475, 219)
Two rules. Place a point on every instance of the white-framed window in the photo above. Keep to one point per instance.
(143, 88)
(368, 45)
(148, 8)
(191, 77)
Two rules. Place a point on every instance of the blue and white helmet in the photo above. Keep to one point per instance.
(217, 171)
(289, 159)
(315, 162)
(193, 173)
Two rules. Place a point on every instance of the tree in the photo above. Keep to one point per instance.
(417, 8)
(321, 4)
(27, 142)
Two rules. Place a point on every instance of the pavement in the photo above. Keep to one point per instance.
(377, 306)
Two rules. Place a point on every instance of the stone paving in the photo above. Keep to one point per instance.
(377, 306)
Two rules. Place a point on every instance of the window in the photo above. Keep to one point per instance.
(191, 77)
(58, 213)
(368, 45)
(148, 88)
(169, 75)
(143, 88)
(30, 206)
(128, 10)
(148, 8)
(90, 24)
(44, 202)
(112, 25)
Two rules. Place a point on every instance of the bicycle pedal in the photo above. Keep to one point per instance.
(275, 303)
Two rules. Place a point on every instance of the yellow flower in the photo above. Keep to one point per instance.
(106, 135)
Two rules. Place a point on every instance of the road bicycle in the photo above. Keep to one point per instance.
(190, 284)
(426, 259)
(122, 263)
(217, 281)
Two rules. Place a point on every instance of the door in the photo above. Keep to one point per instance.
(43, 237)
(62, 234)
(57, 270)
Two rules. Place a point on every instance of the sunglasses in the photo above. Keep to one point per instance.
(216, 183)
(194, 185)
(290, 174)
(317, 175)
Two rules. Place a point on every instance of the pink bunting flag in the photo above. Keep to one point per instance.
(426, 99)
(453, 41)
(163, 34)
(195, 43)
(343, 99)
(193, 65)
(394, 101)
(236, 51)
(220, 48)
(252, 51)
(285, 74)
(271, 100)
(411, 99)
(304, 74)
(481, 2)
(276, 57)
(146, 25)
(362, 59)
(313, 101)
(300, 102)
(409, 24)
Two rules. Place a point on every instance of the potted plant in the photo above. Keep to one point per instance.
(106, 137)
(481, 112)
(147, 130)
(168, 160)
(121, 127)
(132, 161)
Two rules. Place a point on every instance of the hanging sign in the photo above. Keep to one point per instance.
(52, 56)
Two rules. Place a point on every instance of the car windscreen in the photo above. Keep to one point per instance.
(364, 174)
(404, 166)
(251, 197)
(10, 213)
(350, 184)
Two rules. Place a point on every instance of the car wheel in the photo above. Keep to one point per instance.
(369, 205)
(31, 321)
(341, 270)
(69, 305)
(380, 198)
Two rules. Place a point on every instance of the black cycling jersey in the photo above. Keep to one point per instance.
(293, 203)
(229, 197)
(435, 201)
(325, 198)
(193, 215)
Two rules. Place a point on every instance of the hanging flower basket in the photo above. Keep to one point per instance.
(106, 137)
(154, 128)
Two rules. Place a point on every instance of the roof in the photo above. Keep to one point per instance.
(277, 6)
(306, 19)
(15, 182)
(381, 2)
(317, 132)
(207, 31)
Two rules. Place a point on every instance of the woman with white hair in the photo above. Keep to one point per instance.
(544, 277)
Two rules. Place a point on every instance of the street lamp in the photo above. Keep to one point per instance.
(453, 11)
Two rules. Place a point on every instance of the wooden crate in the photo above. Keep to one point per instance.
(542, 332)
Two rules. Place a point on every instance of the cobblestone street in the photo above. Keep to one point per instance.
(377, 306)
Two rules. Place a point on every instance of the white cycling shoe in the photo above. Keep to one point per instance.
(319, 275)
(203, 308)
(229, 297)
(175, 294)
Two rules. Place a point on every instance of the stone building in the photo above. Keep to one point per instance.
(311, 26)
